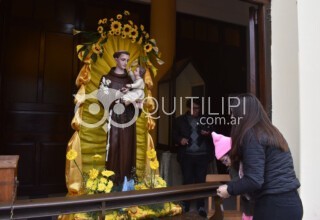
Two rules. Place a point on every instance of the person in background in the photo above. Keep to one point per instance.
(194, 149)
(269, 175)
(222, 148)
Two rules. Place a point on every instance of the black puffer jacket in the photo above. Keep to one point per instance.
(267, 170)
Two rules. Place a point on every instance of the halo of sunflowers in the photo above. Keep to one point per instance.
(125, 28)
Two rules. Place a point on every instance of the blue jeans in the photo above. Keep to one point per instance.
(284, 206)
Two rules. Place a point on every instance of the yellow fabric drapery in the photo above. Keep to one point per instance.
(90, 134)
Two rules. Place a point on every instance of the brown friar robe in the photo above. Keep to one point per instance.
(122, 151)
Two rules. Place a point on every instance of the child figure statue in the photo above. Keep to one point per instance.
(134, 93)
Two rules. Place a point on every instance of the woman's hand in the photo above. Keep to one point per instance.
(223, 192)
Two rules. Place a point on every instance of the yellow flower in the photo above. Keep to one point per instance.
(100, 29)
(116, 26)
(147, 35)
(119, 16)
(147, 47)
(142, 27)
(140, 186)
(101, 187)
(130, 22)
(126, 13)
(107, 173)
(108, 187)
(154, 164)
(126, 29)
(96, 157)
(89, 184)
(111, 33)
(93, 173)
(72, 154)
(123, 36)
(96, 48)
(100, 21)
(94, 185)
(104, 35)
(134, 33)
(103, 180)
(133, 40)
(117, 33)
(105, 20)
(160, 182)
(151, 153)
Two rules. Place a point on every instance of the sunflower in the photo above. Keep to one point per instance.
(142, 27)
(126, 13)
(119, 16)
(100, 29)
(134, 33)
(104, 35)
(96, 49)
(147, 47)
(111, 32)
(126, 30)
(116, 26)
(104, 21)
(130, 22)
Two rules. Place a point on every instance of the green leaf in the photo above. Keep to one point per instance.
(94, 57)
(85, 54)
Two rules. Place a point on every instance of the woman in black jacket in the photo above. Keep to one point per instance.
(269, 175)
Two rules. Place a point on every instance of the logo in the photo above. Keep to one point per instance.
(110, 102)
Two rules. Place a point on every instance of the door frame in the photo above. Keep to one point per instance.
(260, 62)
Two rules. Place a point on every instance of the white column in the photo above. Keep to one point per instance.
(295, 90)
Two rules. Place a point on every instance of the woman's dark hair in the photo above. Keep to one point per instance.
(117, 54)
(253, 117)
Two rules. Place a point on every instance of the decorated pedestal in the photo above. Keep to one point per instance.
(88, 147)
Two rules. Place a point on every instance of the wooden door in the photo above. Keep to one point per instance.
(38, 67)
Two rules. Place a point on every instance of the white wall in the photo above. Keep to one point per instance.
(309, 61)
(285, 77)
(295, 75)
